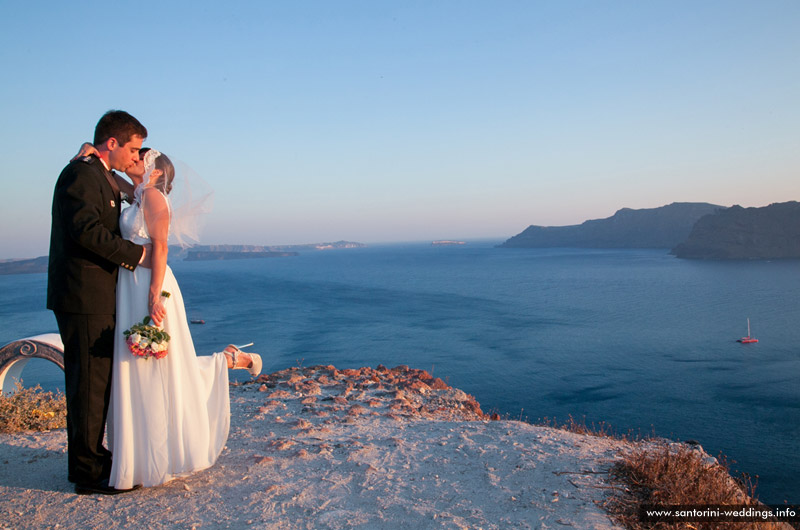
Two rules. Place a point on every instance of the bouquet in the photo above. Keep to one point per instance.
(145, 340)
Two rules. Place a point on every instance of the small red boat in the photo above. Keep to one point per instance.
(748, 339)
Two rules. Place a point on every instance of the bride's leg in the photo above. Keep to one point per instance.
(229, 359)
(236, 357)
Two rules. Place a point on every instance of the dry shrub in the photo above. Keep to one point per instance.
(32, 409)
(601, 430)
(676, 474)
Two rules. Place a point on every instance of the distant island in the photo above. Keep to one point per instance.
(770, 232)
(216, 255)
(444, 242)
(220, 252)
(663, 227)
(196, 253)
(24, 266)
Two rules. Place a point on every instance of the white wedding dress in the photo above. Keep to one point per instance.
(168, 417)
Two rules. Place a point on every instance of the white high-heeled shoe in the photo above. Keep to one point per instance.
(255, 360)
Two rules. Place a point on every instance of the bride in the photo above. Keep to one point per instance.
(168, 417)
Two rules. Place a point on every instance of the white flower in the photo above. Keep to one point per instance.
(158, 346)
(136, 338)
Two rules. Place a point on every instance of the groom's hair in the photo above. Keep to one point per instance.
(120, 125)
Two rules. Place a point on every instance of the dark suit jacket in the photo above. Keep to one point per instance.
(86, 247)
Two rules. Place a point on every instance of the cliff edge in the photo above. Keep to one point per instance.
(325, 448)
(320, 447)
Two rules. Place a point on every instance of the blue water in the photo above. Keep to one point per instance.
(635, 338)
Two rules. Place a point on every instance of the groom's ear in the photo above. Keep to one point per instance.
(108, 145)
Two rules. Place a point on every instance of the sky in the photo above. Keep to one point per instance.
(386, 121)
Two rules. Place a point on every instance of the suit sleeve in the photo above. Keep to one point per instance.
(81, 201)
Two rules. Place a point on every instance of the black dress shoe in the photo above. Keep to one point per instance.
(105, 475)
(101, 487)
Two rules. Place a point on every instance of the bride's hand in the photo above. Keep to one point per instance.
(85, 150)
(157, 312)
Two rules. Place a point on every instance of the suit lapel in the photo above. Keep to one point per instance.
(109, 178)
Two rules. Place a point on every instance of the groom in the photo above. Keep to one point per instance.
(86, 249)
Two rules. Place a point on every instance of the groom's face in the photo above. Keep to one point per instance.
(123, 156)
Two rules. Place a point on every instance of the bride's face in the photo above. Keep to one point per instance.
(136, 171)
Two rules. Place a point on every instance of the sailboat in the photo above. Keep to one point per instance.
(748, 339)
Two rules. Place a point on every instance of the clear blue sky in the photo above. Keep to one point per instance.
(380, 121)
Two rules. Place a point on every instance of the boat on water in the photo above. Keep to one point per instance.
(749, 339)
(197, 321)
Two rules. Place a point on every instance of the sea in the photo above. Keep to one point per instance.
(636, 340)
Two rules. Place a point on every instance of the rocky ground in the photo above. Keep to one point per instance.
(323, 448)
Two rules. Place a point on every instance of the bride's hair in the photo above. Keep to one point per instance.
(191, 199)
(164, 181)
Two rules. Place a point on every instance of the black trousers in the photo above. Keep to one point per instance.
(88, 352)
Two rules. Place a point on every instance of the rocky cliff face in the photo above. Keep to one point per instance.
(662, 227)
(771, 232)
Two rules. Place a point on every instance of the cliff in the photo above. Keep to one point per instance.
(770, 232)
(662, 227)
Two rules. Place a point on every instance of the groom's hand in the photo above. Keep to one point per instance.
(146, 256)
